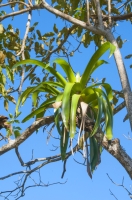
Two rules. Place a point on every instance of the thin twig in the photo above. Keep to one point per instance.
(121, 185)
(2, 137)
(64, 168)
(112, 194)
(19, 157)
(30, 3)
(128, 137)
(22, 50)
(119, 107)
(31, 71)
(50, 132)
(80, 162)
(26, 32)
(46, 160)
(120, 93)
(109, 12)
(123, 4)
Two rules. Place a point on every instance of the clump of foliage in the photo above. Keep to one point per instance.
(73, 96)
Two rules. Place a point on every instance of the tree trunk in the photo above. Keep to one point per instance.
(123, 76)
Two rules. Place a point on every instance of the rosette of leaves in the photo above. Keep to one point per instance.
(70, 94)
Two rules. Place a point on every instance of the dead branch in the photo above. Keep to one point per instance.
(113, 194)
(121, 185)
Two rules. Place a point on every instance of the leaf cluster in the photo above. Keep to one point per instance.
(93, 101)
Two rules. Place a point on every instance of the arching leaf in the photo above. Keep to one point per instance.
(41, 109)
(67, 68)
(44, 66)
(91, 65)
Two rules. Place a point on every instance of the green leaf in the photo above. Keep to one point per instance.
(91, 65)
(11, 116)
(112, 49)
(57, 121)
(107, 88)
(16, 133)
(35, 112)
(77, 88)
(34, 98)
(49, 84)
(99, 115)
(64, 142)
(108, 121)
(50, 34)
(48, 101)
(6, 104)
(74, 104)
(67, 68)
(128, 56)
(98, 63)
(66, 104)
(107, 103)
(55, 28)
(94, 153)
(39, 34)
(10, 74)
(1, 29)
(11, 98)
(41, 109)
(23, 98)
(89, 98)
(46, 87)
(88, 91)
(44, 66)
(57, 114)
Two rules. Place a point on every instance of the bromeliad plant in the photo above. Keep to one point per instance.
(74, 95)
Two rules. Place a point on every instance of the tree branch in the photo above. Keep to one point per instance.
(88, 16)
(56, 12)
(10, 3)
(109, 12)
(112, 147)
(116, 150)
(65, 16)
(22, 50)
(28, 132)
(123, 75)
(99, 14)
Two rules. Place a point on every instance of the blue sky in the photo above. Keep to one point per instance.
(78, 185)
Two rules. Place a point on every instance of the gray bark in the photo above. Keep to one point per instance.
(123, 76)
